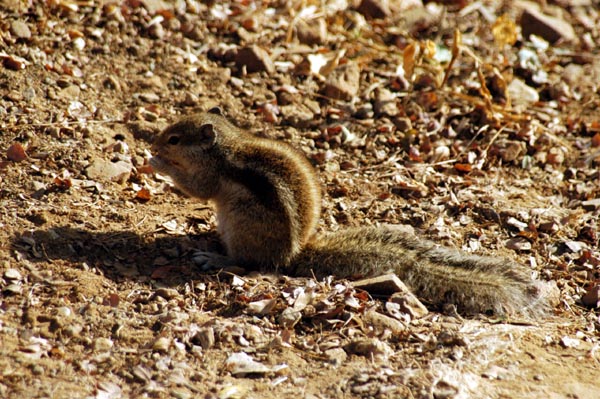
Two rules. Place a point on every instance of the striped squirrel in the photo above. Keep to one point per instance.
(268, 203)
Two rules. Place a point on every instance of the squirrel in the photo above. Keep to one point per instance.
(268, 203)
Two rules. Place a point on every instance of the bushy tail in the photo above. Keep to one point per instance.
(438, 275)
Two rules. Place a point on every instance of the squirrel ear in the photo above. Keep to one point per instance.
(207, 135)
(216, 111)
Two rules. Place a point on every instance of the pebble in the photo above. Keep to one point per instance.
(409, 304)
(385, 103)
(162, 344)
(205, 337)
(343, 83)
(103, 344)
(311, 33)
(20, 30)
(297, 115)
(255, 59)
(12, 274)
(374, 8)
(13, 289)
(103, 170)
(552, 29)
(592, 297)
(522, 94)
(167, 293)
(148, 97)
(382, 322)
(370, 347)
(387, 284)
(336, 356)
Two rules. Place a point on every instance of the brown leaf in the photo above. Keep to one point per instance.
(16, 153)
(143, 195)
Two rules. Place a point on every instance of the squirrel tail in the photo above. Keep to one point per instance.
(438, 275)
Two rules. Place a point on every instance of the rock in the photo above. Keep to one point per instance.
(70, 92)
(255, 59)
(518, 244)
(521, 94)
(402, 123)
(336, 356)
(592, 297)
(13, 275)
(148, 97)
(382, 322)
(591, 205)
(20, 30)
(387, 284)
(409, 304)
(370, 348)
(154, 6)
(375, 8)
(552, 29)
(385, 103)
(205, 337)
(166, 293)
(103, 170)
(343, 83)
(297, 115)
(313, 32)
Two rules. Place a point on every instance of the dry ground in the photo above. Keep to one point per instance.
(99, 297)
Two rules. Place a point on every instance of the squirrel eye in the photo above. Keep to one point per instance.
(173, 140)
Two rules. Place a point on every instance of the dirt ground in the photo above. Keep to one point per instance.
(494, 151)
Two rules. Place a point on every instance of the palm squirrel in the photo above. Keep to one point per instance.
(268, 203)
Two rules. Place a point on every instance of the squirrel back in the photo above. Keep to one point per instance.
(268, 200)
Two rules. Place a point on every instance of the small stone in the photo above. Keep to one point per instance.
(386, 285)
(13, 289)
(402, 123)
(313, 32)
(592, 297)
(382, 322)
(522, 94)
(297, 115)
(190, 99)
(205, 337)
(103, 344)
(103, 170)
(374, 8)
(167, 293)
(162, 344)
(370, 347)
(156, 31)
(343, 83)
(73, 330)
(552, 29)
(591, 205)
(20, 30)
(70, 92)
(148, 97)
(12, 274)
(255, 59)
(385, 103)
(64, 312)
(518, 244)
(408, 303)
(336, 356)
(289, 318)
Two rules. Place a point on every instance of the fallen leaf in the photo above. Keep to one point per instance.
(16, 153)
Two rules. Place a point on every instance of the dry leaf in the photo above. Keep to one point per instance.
(16, 153)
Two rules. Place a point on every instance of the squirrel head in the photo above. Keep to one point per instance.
(189, 152)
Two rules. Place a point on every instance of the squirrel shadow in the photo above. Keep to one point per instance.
(119, 255)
